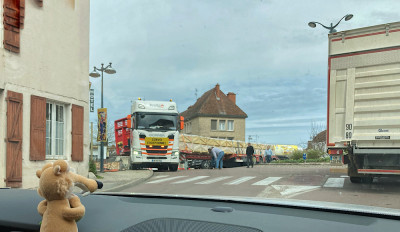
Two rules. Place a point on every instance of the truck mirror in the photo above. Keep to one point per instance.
(129, 121)
(182, 122)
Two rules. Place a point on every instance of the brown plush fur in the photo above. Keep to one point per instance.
(60, 209)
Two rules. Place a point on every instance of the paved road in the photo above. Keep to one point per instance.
(321, 183)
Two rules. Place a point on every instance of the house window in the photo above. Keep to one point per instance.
(213, 124)
(230, 125)
(221, 125)
(55, 130)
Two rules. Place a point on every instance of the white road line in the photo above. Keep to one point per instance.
(190, 179)
(240, 180)
(214, 180)
(334, 183)
(289, 191)
(164, 180)
(344, 176)
(267, 181)
(162, 176)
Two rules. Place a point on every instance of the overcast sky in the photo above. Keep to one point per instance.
(261, 50)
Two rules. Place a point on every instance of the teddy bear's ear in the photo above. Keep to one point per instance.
(57, 170)
(62, 164)
(39, 172)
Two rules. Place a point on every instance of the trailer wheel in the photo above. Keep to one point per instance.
(205, 164)
(355, 180)
(173, 167)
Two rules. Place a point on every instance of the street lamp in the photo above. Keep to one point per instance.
(109, 70)
(331, 28)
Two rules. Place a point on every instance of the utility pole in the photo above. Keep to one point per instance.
(91, 140)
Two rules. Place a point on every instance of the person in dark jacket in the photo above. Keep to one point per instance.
(249, 153)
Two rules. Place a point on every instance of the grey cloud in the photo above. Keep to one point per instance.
(262, 50)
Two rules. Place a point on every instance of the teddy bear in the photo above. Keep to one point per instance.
(61, 208)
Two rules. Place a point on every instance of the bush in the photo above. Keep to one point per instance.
(92, 166)
(320, 160)
(314, 154)
(296, 155)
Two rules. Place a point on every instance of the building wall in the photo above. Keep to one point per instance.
(202, 126)
(53, 63)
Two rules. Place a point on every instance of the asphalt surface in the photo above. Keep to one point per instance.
(317, 182)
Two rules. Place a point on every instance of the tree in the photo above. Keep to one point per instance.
(316, 128)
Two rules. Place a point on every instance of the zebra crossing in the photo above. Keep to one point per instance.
(230, 180)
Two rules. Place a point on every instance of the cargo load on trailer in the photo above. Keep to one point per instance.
(364, 100)
(194, 151)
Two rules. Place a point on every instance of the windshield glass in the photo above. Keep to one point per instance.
(272, 99)
(160, 122)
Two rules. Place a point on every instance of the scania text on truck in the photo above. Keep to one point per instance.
(154, 135)
(364, 100)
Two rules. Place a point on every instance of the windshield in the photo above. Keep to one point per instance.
(265, 99)
(158, 122)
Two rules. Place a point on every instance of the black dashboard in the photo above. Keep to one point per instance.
(139, 212)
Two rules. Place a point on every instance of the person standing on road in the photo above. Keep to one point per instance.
(219, 154)
(213, 157)
(268, 154)
(249, 153)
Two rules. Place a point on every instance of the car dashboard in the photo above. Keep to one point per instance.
(164, 213)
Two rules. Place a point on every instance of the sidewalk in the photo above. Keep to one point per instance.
(117, 181)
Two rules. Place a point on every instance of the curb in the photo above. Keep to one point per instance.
(135, 182)
(304, 164)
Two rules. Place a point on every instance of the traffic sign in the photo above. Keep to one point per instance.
(304, 156)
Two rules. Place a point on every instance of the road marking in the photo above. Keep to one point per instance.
(190, 179)
(267, 181)
(293, 190)
(241, 180)
(214, 180)
(164, 180)
(158, 177)
(344, 176)
(334, 183)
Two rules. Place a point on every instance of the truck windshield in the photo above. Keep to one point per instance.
(159, 122)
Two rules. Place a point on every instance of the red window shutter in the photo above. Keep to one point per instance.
(77, 133)
(38, 128)
(13, 21)
(21, 13)
(14, 140)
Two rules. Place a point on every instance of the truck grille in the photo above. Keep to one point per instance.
(156, 157)
(149, 151)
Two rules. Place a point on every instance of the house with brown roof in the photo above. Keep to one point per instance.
(318, 142)
(216, 115)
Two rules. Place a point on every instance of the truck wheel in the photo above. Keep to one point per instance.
(355, 180)
(173, 167)
(367, 180)
(205, 164)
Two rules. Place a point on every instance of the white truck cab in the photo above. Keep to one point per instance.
(155, 135)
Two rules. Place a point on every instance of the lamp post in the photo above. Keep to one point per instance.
(109, 70)
(331, 28)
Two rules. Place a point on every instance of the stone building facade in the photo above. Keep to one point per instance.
(44, 88)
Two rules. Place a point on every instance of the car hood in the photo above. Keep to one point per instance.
(290, 203)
